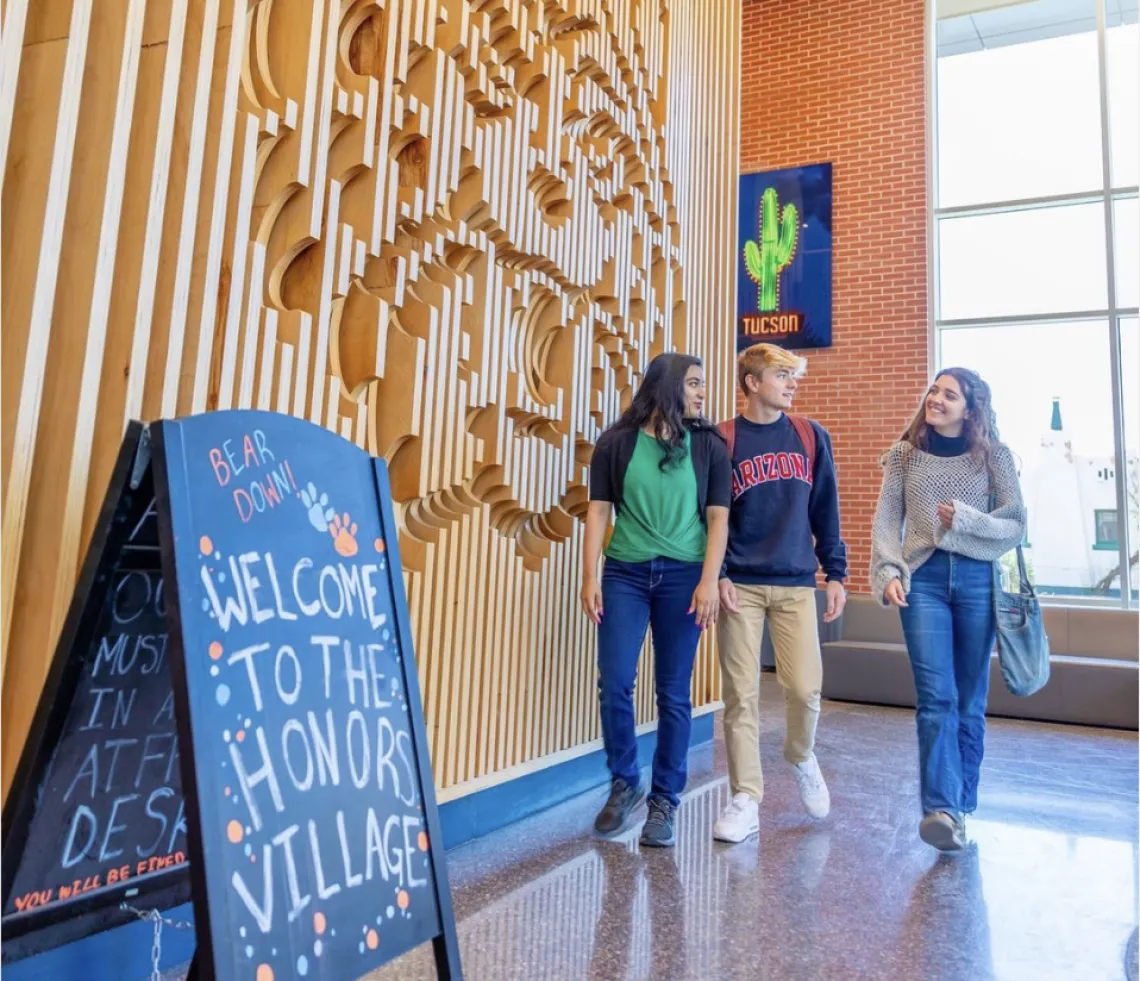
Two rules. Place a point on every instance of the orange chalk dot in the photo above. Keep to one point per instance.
(215, 650)
(207, 548)
(373, 940)
(421, 840)
(226, 791)
(264, 972)
(403, 899)
(234, 832)
(319, 922)
(378, 545)
(240, 737)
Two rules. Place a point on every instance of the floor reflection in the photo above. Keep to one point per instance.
(1047, 892)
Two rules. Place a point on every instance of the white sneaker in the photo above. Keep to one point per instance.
(813, 790)
(740, 820)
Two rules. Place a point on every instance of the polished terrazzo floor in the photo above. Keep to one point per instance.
(1048, 892)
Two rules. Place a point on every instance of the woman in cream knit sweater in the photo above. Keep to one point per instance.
(950, 507)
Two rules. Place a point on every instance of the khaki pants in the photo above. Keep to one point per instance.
(791, 614)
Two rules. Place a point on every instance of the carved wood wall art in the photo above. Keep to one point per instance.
(454, 231)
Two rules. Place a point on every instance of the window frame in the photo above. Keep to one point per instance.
(1108, 194)
(1106, 544)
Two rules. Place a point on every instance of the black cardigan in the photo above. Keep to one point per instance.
(711, 463)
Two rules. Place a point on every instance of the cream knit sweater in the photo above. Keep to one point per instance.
(907, 530)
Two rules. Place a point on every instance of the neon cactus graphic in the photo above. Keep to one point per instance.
(778, 237)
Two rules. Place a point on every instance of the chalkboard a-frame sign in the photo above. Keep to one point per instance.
(94, 815)
(310, 829)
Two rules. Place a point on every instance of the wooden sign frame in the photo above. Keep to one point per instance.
(446, 945)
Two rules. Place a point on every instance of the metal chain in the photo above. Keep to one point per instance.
(159, 921)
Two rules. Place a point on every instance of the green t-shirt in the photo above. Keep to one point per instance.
(659, 516)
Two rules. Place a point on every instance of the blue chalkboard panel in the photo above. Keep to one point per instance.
(314, 842)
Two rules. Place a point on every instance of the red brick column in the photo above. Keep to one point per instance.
(843, 81)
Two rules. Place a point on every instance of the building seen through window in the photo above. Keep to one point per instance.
(1037, 263)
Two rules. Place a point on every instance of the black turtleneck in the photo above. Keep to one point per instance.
(947, 445)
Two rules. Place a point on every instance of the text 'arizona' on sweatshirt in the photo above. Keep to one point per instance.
(784, 522)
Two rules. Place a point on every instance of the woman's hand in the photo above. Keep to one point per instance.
(946, 515)
(894, 593)
(591, 597)
(706, 603)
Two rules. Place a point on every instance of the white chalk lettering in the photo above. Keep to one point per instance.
(293, 726)
(350, 879)
(288, 697)
(271, 569)
(105, 854)
(234, 608)
(328, 768)
(328, 575)
(249, 781)
(253, 584)
(297, 901)
(309, 609)
(261, 912)
(354, 673)
(71, 855)
(323, 890)
(246, 655)
(359, 775)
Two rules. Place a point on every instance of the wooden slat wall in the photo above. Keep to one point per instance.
(454, 232)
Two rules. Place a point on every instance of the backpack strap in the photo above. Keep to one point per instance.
(728, 431)
(806, 432)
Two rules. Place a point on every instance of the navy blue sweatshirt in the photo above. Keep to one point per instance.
(784, 523)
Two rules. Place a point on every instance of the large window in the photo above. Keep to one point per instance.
(1037, 264)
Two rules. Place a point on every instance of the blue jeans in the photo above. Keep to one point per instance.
(635, 595)
(949, 630)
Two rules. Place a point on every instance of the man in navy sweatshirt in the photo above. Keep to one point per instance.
(783, 526)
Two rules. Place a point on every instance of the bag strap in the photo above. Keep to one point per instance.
(802, 425)
(806, 431)
(1024, 583)
(1025, 587)
(728, 431)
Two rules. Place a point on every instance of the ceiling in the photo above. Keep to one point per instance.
(973, 25)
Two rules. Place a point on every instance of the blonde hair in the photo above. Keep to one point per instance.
(752, 362)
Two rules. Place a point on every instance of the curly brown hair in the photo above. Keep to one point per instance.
(979, 426)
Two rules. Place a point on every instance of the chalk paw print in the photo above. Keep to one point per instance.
(320, 514)
(343, 531)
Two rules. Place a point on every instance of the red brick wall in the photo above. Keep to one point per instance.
(842, 81)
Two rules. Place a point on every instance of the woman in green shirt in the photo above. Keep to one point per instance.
(666, 472)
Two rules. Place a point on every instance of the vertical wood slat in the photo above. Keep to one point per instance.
(72, 516)
(11, 46)
(463, 278)
(18, 479)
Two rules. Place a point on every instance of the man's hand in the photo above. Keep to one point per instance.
(705, 604)
(946, 515)
(728, 596)
(591, 597)
(836, 600)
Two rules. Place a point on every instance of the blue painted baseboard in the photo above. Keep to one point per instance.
(488, 810)
(124, 954)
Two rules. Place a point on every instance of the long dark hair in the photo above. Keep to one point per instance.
(980, 425)
(660, 401)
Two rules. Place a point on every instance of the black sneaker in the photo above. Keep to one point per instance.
(623, 799)
(659, 830)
